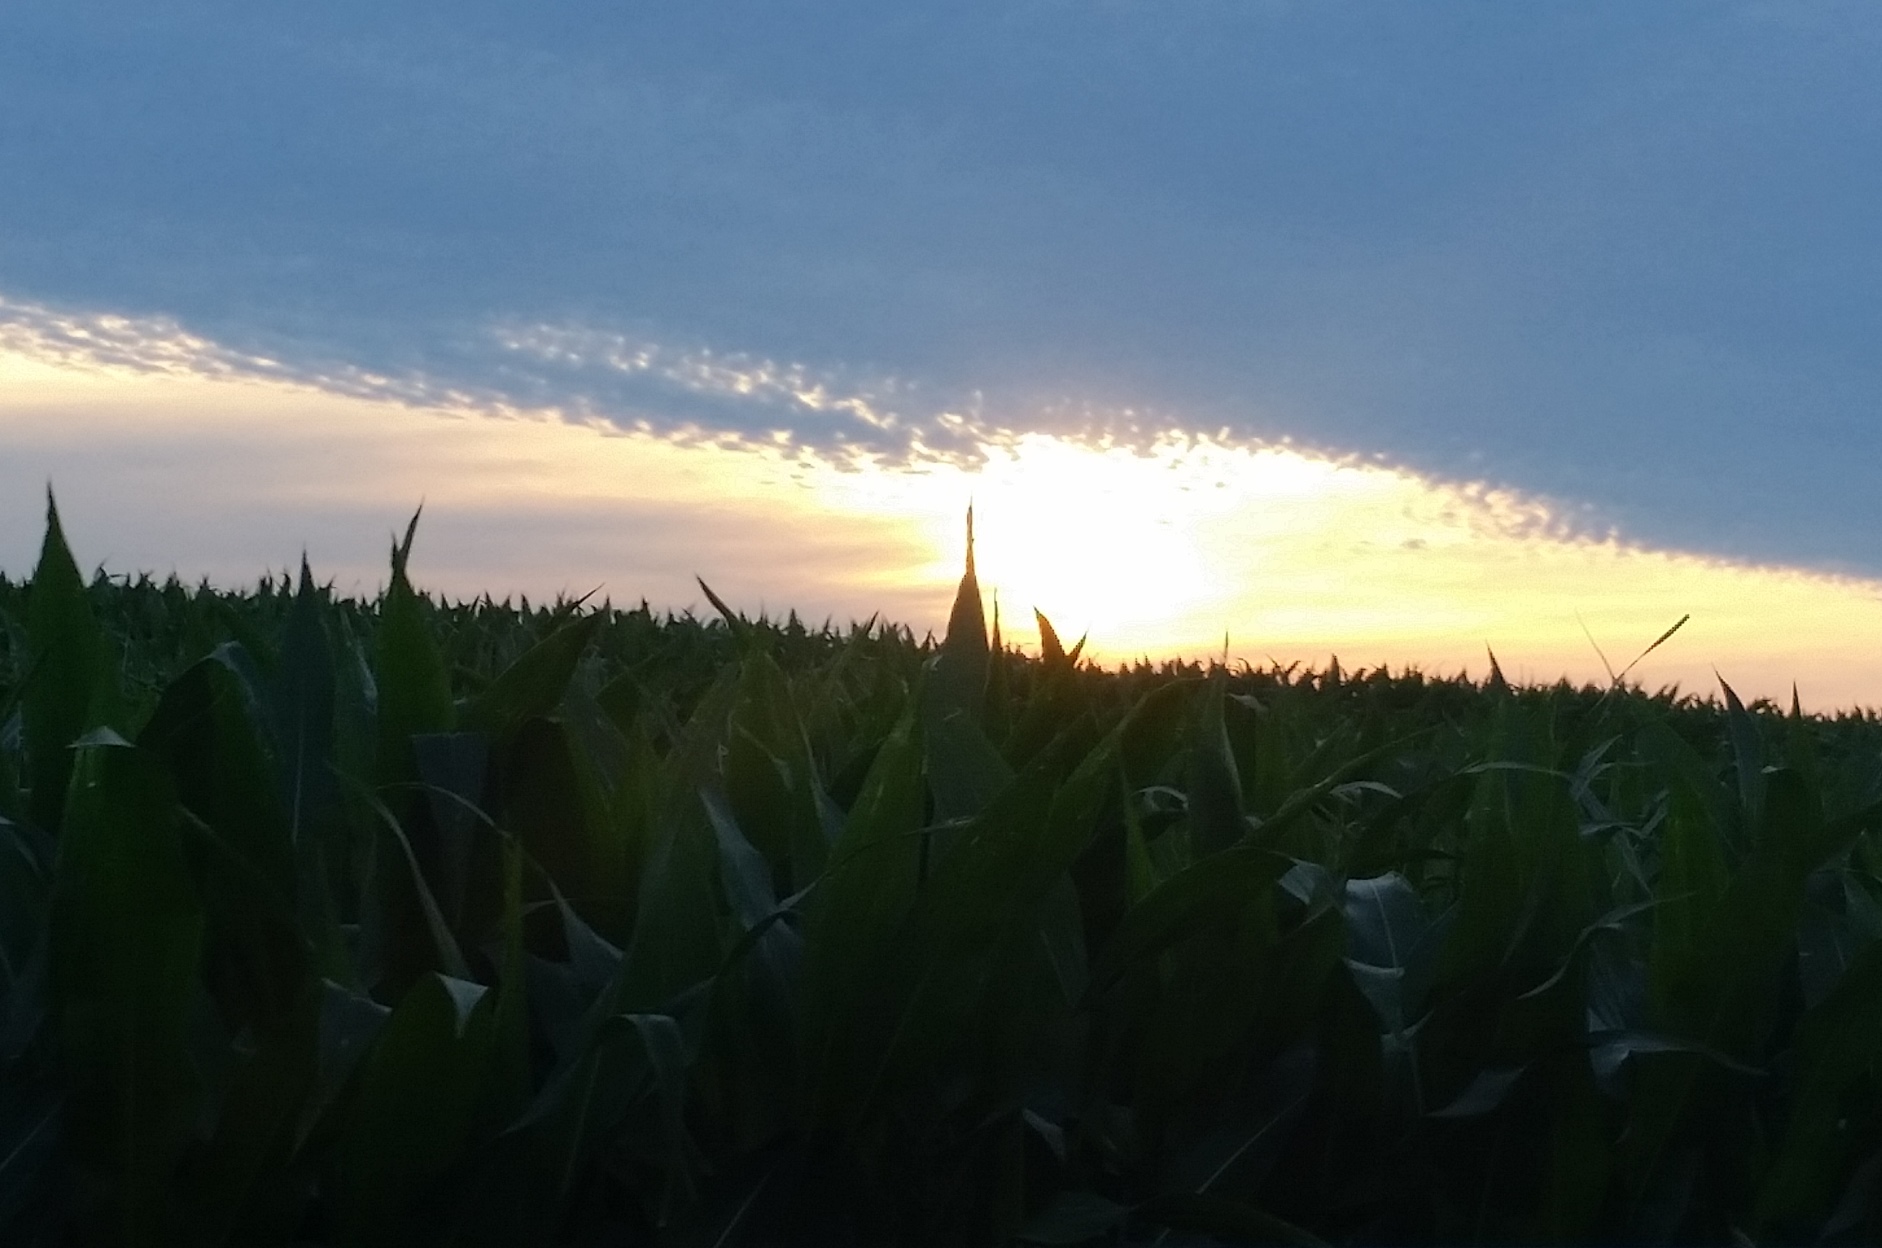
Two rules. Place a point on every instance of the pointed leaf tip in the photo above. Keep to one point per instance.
(731, 617)
(1050, 648)
(402, 549)
(1496, 680)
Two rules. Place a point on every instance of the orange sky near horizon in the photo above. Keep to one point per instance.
(1152, 552)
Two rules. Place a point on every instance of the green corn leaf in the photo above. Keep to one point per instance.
(1062, 937)
(25, 892)
(414, 692)
(1215, 787)
(1835, 1044)
(1153, 731)
(742, 870)
(965, 771)
(741, 629)
(442, 951)
(1484, 1094)
(1051, 649)
(303, 701)
(858, 908)
(1688, 774)
(1240, 1154)
(677, 938)
(677, 941)
(349, 1021)
(1747, 753)
(1191, 899)
(418, 1093)
(127, 940)
(237, 1188)
(545, 789)
(984, 899)
(770, 773)
(959, 679)
(532, 685)
(453, 768)
(1389, 949)
(627, 1059)
(1526, 895)
(207, 729)
(664, 1049)
(65, 676)
(983, 894)
(998, 708)
(508, 1093)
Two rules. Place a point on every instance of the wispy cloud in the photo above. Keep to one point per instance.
(1152, 550)
(1617, 254)
(624, 379)
(590, 376)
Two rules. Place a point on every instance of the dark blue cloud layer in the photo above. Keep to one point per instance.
(1619, 254)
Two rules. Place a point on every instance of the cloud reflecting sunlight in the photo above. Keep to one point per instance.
(1158, 551)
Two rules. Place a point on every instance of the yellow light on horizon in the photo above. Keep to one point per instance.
(1158, 551)
(1175, 549)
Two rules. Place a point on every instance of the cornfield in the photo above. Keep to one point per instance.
(329, 922)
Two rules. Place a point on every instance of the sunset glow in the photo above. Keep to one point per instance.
(1159, 551)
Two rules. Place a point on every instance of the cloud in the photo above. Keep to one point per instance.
(1617, 254)
(1159, 550)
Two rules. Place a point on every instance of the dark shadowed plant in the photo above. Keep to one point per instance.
(327, 921)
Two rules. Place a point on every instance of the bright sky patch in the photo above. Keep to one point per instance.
(1151, 552)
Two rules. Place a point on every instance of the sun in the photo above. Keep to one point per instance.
(1171, 549)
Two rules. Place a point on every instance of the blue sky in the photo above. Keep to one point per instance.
(1622, 256)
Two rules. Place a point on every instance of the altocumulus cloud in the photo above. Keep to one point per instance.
(1609, 253)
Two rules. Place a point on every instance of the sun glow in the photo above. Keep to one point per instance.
(1157, 551)
(1285, 557)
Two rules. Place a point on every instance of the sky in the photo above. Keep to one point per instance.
(1391, 330)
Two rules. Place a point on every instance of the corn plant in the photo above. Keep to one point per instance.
(333, 922)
